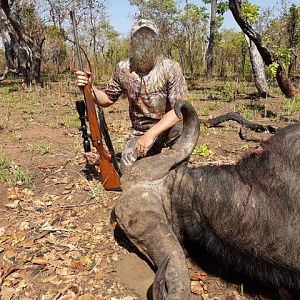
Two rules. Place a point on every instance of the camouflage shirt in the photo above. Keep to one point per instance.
(150, 96)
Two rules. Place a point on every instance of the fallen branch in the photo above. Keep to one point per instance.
(234, 116)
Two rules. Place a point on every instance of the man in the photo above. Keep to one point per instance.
(152, 84)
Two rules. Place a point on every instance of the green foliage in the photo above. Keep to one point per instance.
(53, 32)
(284, 55)
(204, 111)
(191, 14)
(193, 96)
(11, 174)
(202, 129)
(226, 127)
(190, 37)
(43, 149)
(66, 121)
(203, 150)
(219, 21)
(55, 49)
(272, 69)
(27, 103)
(250, 12)
(246, 112)
(157, 6)
(293, 25)
(222, 7)
(231, 49)
(15, 87)
(227, 90)
(29, 18)
(184, 28)
(214, 105)
(291, 106)
(192, 11)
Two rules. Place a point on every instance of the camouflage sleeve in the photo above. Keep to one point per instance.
(177, 87)
(114, 89)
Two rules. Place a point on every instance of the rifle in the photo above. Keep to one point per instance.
(109, 169)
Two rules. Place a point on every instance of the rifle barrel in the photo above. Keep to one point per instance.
(72, 16)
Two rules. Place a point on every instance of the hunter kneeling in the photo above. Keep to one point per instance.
(152, 84)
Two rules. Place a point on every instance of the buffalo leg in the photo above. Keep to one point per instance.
(140, 214)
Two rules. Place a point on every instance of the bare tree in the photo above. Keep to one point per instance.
(283, 81)
(33, 43)
(16, 57)
(258, 69)
(211, 40)
(57, 12)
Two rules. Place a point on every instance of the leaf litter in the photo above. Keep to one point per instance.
(56, 238)
(53, 249)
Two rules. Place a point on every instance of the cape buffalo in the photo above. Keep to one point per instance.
(246, 214)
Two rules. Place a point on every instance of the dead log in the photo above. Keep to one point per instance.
(234, 116)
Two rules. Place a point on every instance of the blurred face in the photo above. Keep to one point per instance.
(143, 50)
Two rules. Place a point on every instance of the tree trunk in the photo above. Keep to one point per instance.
(33, 61)
(211, 42)
(258, 69)
(16, 56)
(244, 54)
(36, 65)
(283, 81)
(293, 62)
(190, 56)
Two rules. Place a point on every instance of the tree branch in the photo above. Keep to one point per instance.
(235, 7)
(16, 25)
(234, 116)
(283, 81)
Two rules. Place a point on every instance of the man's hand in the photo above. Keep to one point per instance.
(83, 78)
(143, 144)
(100, 98)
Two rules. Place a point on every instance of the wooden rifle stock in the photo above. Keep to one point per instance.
(110, 177)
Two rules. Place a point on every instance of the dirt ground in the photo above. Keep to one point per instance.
(56, 236)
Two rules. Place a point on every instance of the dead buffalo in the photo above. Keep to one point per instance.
(246, 214)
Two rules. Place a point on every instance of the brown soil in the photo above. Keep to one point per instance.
(56, 236)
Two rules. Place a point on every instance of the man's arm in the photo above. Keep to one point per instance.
(146, 141)
(100, 97)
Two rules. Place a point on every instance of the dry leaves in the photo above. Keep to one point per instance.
(198, 276)
(54, 240)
